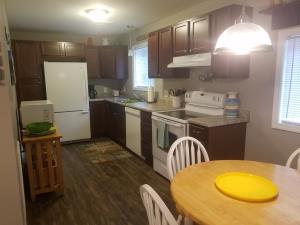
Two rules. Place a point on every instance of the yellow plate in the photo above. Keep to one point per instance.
(246, 186)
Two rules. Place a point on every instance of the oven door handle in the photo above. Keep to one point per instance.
(167, 122)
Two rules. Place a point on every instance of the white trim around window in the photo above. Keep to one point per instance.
(277, 121)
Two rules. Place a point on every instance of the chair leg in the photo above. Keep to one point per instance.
(187, 221)
(179, 219)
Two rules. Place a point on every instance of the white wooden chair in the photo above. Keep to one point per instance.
(184, 152)
(292, 157)
(157, 211)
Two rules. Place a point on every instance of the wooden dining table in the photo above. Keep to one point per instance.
(196, 196)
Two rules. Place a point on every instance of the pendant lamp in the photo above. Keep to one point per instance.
(243, 38)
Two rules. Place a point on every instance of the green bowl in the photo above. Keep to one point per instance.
(35, 128)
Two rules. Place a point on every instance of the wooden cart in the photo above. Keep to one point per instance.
(44, 164)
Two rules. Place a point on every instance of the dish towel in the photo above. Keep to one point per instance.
(163, 135)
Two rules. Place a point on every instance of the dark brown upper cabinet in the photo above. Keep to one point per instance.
(153, 64)
(165, 51)
(113, 62)
(53, 49)
(284, 15)
(199, 35)
(191, 37)
(181, 38)
(74, 50)
(228, 66)
(28, 64)
(93, 62)
(160, 54)
(62, 50)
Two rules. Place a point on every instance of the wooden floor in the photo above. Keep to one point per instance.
(98, 194)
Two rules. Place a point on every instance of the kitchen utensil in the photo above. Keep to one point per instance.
(176, 92)
(246, 187)
(171, 92)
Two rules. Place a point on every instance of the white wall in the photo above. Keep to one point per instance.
(263, 143)
(12, 211)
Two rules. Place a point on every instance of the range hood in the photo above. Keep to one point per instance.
(196, 60)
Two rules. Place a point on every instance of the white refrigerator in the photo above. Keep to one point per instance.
(67, 89)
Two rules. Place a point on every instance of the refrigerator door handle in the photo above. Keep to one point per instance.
(84, 112)
(86, 89)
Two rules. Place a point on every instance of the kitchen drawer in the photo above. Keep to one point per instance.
(199, 132)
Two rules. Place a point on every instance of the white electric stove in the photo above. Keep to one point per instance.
(198, 104)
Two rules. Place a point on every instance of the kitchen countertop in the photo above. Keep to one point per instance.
(205, 120)
(215, 121)
(96, 99)
(149, 107)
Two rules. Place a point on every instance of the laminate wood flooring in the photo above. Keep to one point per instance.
(98, 194)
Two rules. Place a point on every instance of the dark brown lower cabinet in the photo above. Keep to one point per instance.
(116, 123)
(146, 137)
(222, 142)
(98, 118)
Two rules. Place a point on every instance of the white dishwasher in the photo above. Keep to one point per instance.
(133, 130)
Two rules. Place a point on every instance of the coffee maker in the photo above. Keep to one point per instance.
(92, 92)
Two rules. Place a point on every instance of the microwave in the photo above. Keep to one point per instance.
(36, 111)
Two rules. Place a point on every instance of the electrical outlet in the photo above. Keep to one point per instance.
(104, 89)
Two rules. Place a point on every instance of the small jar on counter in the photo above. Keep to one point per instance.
(232, 104)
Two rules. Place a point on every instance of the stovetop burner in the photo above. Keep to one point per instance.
(181, 114)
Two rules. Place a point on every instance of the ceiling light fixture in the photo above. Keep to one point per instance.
(97, 15)
(243, 38)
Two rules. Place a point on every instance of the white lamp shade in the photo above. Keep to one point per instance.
(242, 39)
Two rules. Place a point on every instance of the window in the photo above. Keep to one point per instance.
(286, 112)
(140, 67)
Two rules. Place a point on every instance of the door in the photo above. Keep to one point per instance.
(175, 131)
(165, 52)
(199, 35)
(108, 62)
(181, 38)
(53, 49)
(73, 125)
(98, 118)
(93, 62)
(133, 130)
(30, 85)
(153, 55)
(66, 86)
(74, 50)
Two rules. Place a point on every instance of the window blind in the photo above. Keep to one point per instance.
(290, 86)
(141, 68)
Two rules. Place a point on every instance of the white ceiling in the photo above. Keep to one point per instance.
(65, 15)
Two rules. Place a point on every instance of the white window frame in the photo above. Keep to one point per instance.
(282, 37)
(137, 46)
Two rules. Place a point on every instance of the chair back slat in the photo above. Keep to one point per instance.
(182, 156)
(188, 156)
(184, 152)
(294, 156)
(157, 211)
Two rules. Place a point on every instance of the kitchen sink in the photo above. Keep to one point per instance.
(126, 100)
